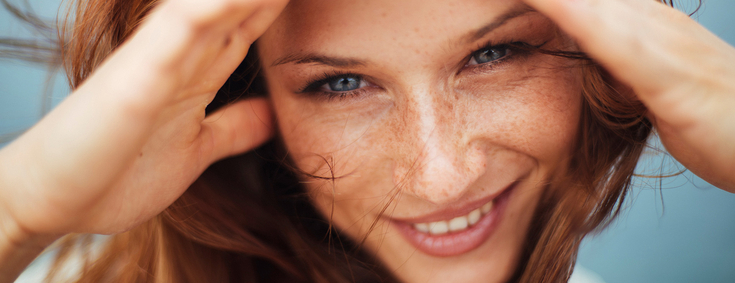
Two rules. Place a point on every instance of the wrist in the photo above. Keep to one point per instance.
(18, 248)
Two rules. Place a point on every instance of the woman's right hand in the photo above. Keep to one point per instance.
(130, 140)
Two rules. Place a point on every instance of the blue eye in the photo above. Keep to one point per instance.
(490, 54)
(344, 83)
(334, 84)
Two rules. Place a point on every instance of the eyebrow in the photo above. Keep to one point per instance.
(343, 62)
(321, 59)
(501, 20)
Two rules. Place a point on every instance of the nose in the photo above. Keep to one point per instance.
(442, 161)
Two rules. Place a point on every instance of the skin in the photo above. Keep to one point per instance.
(107, 168)
(427, 127)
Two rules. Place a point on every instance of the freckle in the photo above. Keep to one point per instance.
(444, 192)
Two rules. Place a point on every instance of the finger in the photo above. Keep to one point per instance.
(604, 29)
(239, 40)
(227, 14)
(213, 74)
(236, 128)
(662, 54)
(237, 44)
(258, 23)
(183, 37)
(638, 41)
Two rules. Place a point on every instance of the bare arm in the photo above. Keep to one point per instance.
(133, 136)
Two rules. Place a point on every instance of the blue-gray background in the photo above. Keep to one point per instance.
(684, 232)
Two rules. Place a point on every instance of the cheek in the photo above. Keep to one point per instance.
(326, 143)
(535, 116)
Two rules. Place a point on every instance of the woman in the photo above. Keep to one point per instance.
(446, 141)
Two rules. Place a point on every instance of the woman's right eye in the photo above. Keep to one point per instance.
(337, 85)
(343, 84)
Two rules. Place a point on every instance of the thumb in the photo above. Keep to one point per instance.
(236, 128)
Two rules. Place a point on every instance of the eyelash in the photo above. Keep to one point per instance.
(517, 50)
(315, 86)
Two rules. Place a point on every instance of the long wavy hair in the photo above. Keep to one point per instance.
(248, 219)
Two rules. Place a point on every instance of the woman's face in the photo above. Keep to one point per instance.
(441, 135)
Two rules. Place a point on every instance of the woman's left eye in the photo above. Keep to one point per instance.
(344, 84)
(490, 54)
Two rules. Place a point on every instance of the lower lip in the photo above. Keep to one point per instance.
(452, 244)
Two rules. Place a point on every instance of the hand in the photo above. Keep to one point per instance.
(134, 136)
(684, 74)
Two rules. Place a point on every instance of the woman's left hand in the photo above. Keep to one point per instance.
(683, 73)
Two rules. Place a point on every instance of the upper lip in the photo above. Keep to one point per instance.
(453, 210)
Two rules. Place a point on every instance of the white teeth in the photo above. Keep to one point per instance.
(422, 227)
(474, 216)
(456, 224)
(487, 207)
(438, 228)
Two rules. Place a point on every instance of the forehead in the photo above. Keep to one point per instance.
(335, 26)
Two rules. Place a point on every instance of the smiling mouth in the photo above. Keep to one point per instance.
(458, 234)
(456, 224)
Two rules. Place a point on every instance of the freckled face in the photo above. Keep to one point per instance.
(425, 110)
